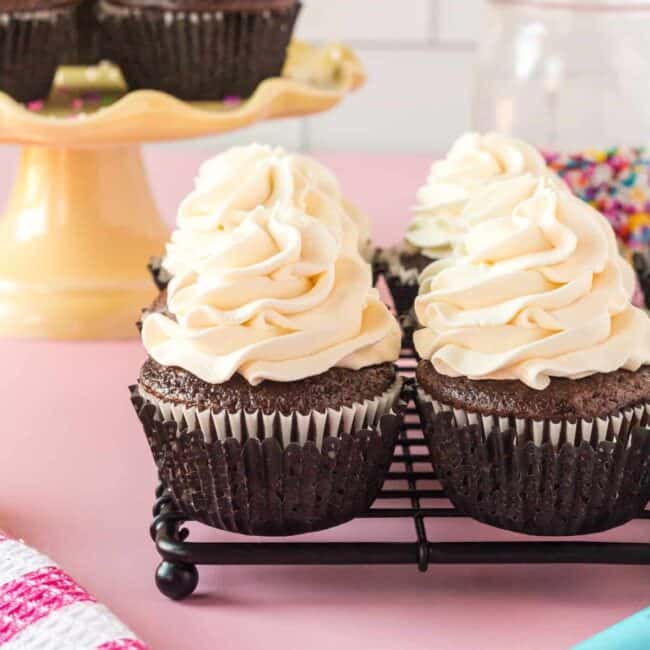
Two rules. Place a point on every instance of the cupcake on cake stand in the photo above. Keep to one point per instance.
(81, 222)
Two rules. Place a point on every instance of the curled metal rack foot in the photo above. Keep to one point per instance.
(177, 575)
(175, 580)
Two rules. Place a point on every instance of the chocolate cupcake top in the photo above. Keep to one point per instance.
(596, 396)
(208, 5)
(268, 279)
(335, 388)
(473, 161)
(538, 290)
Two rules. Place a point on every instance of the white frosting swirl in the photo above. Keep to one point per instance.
(268, 279)
(539, 290)
(242, 178)
(473, 161)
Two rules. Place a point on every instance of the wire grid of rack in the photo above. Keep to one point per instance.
(177, 575)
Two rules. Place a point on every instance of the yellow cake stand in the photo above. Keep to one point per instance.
(81, 222)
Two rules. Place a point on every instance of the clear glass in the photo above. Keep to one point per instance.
(566, 75)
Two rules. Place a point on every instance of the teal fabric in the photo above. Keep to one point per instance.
(631, 634)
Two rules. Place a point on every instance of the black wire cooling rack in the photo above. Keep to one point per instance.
(177, 575)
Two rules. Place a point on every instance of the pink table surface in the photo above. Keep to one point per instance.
(77, 482)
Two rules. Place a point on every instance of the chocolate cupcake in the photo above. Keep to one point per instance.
(33, 34)
(311, 186)
(641, 261)
(401, 268)
(86, 47)
(439, 219)
(198, 49)
(534, 384)
(270, 396)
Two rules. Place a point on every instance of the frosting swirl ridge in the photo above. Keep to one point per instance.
(268, 279)
(233, 183)
(538, 290)
(473, 161)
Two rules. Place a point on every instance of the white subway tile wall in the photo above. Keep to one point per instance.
(386, 21)
(419, 55)
(415, 100)
(459, 20)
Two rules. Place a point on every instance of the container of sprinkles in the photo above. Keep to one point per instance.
(571, 77)
(616, 181)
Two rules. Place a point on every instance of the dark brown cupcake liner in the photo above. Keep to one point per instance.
(159, 274)
(409, 324)
(541, 478)
(197, 55)
(376, 274)
(379, 265)
(31, 43)
(402, 282)
(86, 46)
(404, 295)
(403, 287)
(273, 475)
(403, 291)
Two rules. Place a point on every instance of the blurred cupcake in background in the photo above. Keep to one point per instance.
(86, 46)
(33, 37)
(270, 395)
(198, 49)
(309, 184)
(641, 260)
(473, 161)
(534, 384)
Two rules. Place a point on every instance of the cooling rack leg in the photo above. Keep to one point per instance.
(176, 581)
(75, 239)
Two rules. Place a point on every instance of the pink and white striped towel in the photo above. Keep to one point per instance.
(43, 608)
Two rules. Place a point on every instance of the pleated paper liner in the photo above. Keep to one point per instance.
(31, 43)
(273, 474)
(197, 55)
(86, 47)
(541, 477)
(404, 290)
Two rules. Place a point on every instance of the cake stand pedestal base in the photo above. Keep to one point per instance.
(79, 229)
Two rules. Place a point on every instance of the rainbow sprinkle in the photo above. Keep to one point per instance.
(617, 183)
(36, 105)
(73, 102)
(232, 100)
